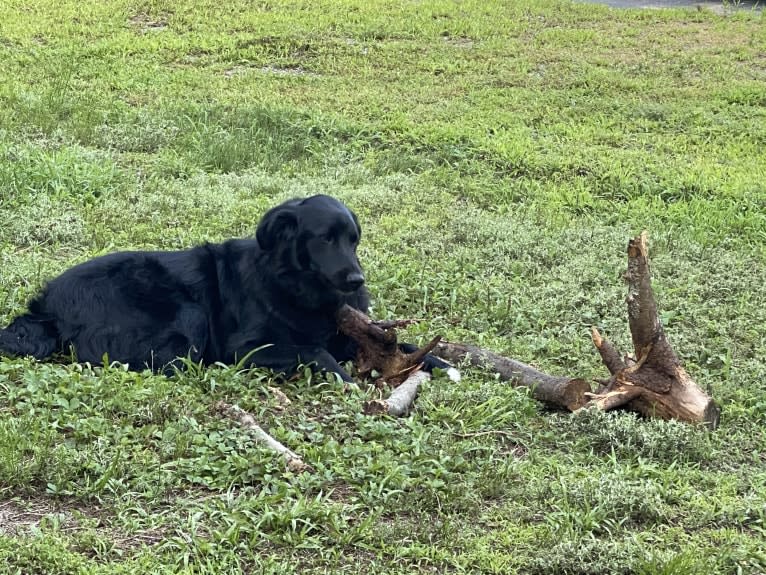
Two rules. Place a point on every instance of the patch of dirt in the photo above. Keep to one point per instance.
(14, 518)
(277, 71)
(19, 516)
(22, 517)
(459, 42)
(144, 23)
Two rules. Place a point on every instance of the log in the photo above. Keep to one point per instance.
(652, 382)
(402, 397)
(292, 460)
(555, 391)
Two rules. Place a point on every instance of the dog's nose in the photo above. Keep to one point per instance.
(354, 280)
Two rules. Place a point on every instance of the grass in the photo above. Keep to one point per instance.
(499, 155)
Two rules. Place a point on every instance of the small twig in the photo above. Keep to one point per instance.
(480, 433)
(609, 354)
(401, 398)
(246, 420)
(417, 356)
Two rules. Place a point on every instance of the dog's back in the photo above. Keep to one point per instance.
(124, 305)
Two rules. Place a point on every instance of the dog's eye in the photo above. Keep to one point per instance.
(354, 239)
(327, 238)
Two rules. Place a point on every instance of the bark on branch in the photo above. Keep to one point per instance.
(560, 392)
(379, 352)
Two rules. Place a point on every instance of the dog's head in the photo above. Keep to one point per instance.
(316, 236)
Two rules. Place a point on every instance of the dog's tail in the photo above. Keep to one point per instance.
(29, 335)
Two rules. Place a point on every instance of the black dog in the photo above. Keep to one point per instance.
(276, 294)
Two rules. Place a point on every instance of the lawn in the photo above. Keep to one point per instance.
(499, 155)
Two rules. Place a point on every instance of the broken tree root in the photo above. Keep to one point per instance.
(246, 420)
(652, 382)
(559, 392)
(378, 348)
(402, 397)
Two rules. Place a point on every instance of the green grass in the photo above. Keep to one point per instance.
(499, 156)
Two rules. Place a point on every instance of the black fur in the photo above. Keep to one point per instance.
(212, 303)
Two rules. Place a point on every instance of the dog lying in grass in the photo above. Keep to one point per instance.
(271, 300)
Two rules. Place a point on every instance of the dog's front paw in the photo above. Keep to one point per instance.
(431, 362)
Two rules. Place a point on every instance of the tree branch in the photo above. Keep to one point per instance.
(666, 389)
(560, 392)
(378, 347)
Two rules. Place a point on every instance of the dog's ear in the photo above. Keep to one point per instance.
(278, 225)
(358, 226)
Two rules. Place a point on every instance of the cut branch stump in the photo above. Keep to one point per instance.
(379, 352)
(378, 348)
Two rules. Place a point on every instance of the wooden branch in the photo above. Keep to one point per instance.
(378, 347)
(560, 392)
(386, 324)
(614, 399)
(402, 397)
(655, 384)
(246, 420)
(609, 354)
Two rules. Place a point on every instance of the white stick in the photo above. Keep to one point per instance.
(401, 399)
(246, 420)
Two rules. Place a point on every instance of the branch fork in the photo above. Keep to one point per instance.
(378, 347)
(654, 383)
